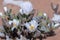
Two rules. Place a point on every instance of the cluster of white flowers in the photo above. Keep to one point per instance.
(32, 26)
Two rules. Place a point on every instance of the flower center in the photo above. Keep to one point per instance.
(14, 24)
(31, 27)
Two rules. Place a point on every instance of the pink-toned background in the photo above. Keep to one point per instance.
(41, 5)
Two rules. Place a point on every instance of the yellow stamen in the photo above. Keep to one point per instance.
(31, 27)
(14, 24)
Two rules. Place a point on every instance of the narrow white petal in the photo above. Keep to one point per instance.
(1, 14)
(5, 9)
(21, 11)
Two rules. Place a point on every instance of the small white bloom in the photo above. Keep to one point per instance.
(16, 22)
(31, 26)
(5, 9)
(44, 14)
(1, 14)
(26, 7)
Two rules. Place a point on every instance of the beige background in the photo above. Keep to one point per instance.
(41, 5)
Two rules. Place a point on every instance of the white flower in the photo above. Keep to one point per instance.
(16, 22)
(26, 7)
(44, 14)
(5, 9)
(32, 26)
(1, 14)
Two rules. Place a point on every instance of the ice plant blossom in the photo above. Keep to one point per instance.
(15, 22)
(32, 25)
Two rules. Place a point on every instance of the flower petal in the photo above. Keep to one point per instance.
(1, 14)
(5, 9)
